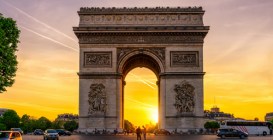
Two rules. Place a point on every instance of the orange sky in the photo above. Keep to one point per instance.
(237, 57)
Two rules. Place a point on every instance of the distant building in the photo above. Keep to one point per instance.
(215, 109)
(2, 111)
(68, 117)
(215, 114)
(268, 116)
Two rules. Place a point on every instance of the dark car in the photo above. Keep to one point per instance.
(229, 132)
(38, 132)
(51, 134)
(63, 132)
(161, 132)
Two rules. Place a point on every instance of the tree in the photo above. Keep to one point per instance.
(57, 124)
(71, 125)
(2, 127)
(43, 123)
(213, 125)
(9, 34)
(271, 121)
(27, 123)
(128, 126)
(10, 119)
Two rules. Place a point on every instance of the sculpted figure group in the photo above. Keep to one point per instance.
(184, 98)
(97, 98)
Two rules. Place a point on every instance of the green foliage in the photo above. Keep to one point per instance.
(10, 119)
(9, 34)
(212, 125)
(271, 121)
(2, 126)
(27, 123)
(43, 123)
(57, 124)
(71, 125)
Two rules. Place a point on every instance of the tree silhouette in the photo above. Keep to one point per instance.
(9, 34)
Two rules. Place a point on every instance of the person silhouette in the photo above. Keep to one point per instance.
(144, 132)
(138, 132)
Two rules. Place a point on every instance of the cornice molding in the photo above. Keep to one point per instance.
(115, 10)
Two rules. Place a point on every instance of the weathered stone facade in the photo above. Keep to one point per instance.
(113, 41)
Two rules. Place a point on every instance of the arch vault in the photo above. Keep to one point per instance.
(168, 41)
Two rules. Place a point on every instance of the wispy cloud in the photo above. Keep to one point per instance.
(50, 39)
(146, 82)
(36, 107)
(40, 22)
(260, 100)
(139, 102)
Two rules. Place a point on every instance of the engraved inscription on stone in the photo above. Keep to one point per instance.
(97, 99)
(184, 98)
(98, 59)
(184, 58)
(135, 39)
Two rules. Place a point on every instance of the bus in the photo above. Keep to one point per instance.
(250, 127)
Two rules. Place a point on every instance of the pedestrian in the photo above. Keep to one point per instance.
(138, 132)
(144, 132)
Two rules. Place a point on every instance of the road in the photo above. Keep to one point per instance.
(149, 137)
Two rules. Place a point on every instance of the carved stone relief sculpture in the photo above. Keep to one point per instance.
(98, 59)
(184, 58)
(97, 99)
(184, 98)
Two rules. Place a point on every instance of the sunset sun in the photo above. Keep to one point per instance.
(141, 97)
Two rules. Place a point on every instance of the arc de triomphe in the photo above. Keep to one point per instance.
(168, 41)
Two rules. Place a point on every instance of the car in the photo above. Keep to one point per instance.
(63, 132)
(10, 135)
(230, 132)
(68, 133)
(51, 134)
(17, 129)
(38, 132)
(161, 132)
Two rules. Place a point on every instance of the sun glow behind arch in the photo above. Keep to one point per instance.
(141, 97)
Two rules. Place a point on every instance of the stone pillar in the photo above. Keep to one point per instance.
(162, 104)
(119, 100)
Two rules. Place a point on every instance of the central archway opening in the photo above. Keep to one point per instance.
(140, 93)
(141, 97)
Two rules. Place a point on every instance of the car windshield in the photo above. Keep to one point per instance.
(4, 134)
(51, 131)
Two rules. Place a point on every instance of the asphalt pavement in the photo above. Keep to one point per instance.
(149, 137)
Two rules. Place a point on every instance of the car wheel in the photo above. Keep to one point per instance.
(242, 136)
(264, 133)
(223, 136)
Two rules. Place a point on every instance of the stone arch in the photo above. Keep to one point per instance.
(140, 58)
(113, 41)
